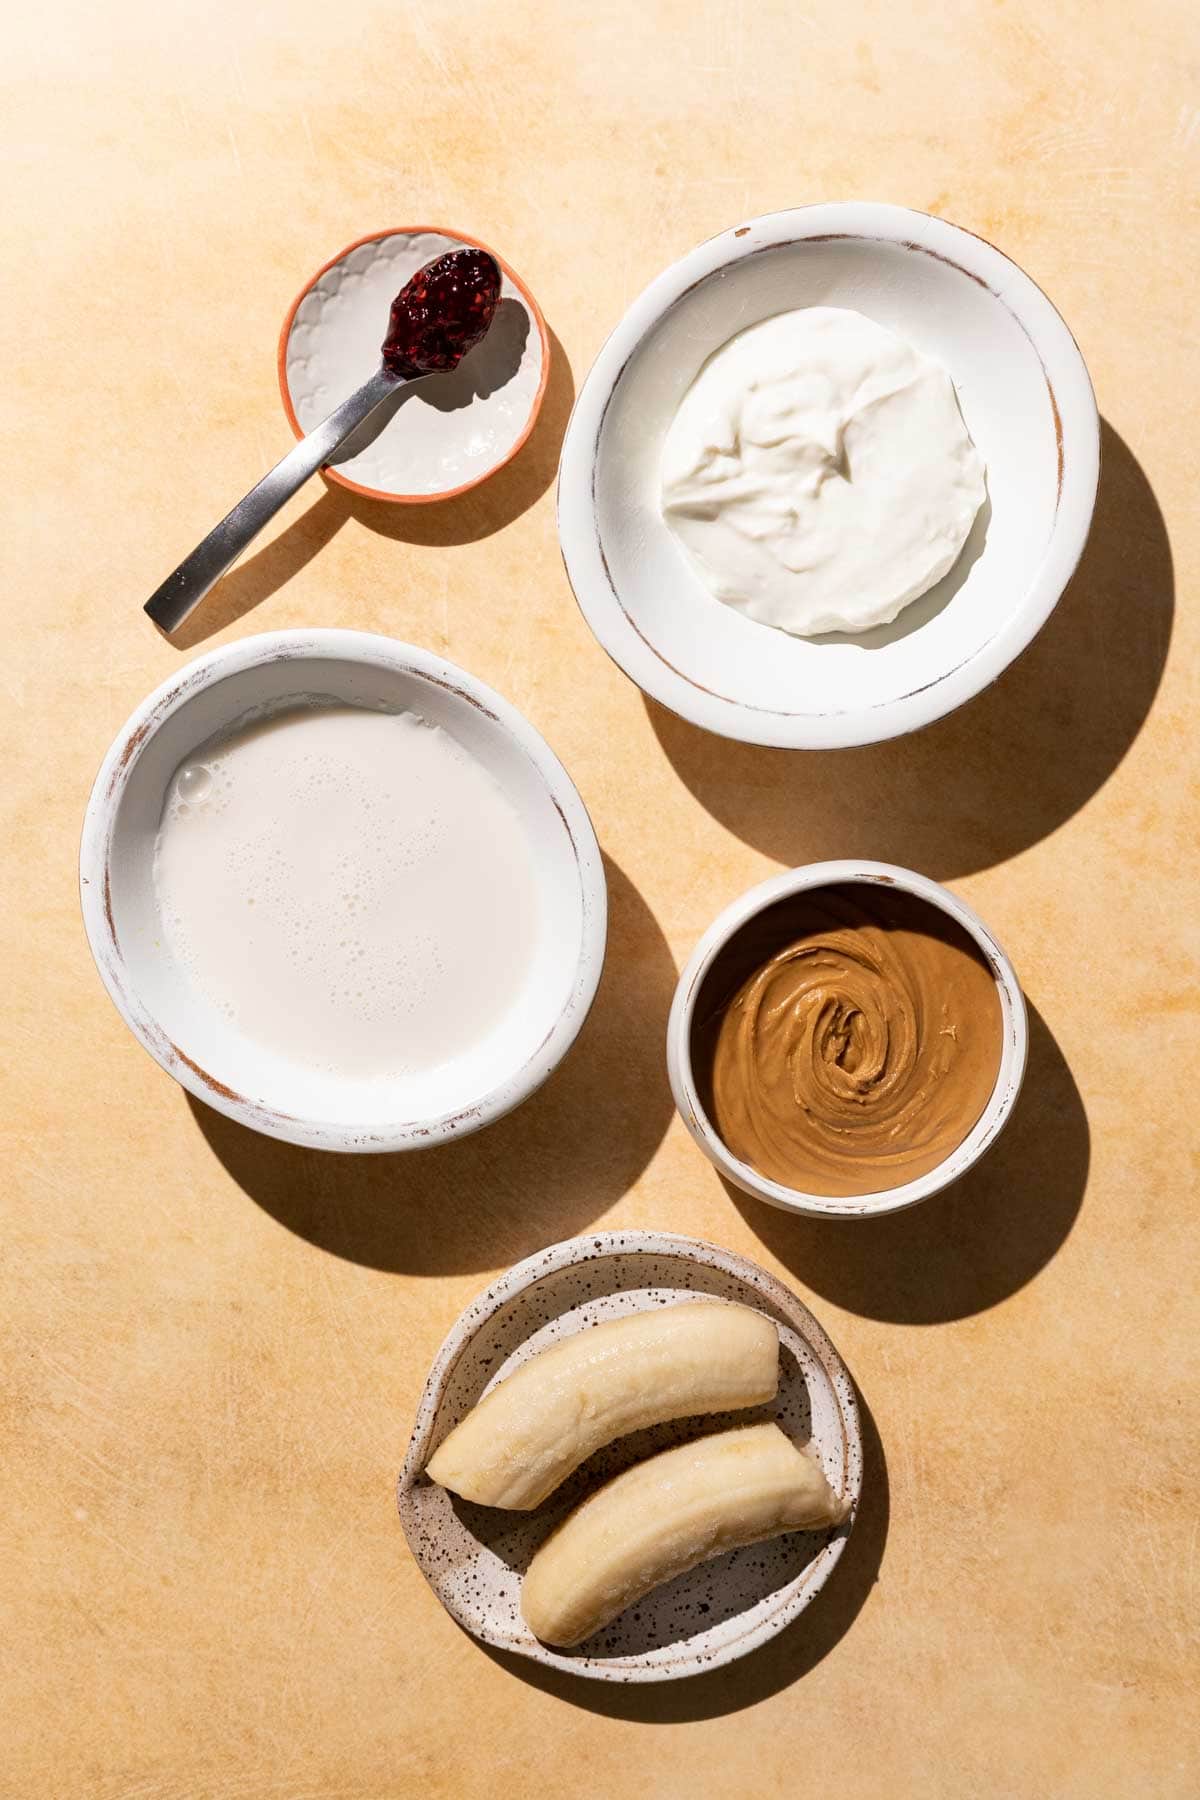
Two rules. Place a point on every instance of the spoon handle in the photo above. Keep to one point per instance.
(171, 603)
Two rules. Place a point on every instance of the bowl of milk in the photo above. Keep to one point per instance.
(342, 891)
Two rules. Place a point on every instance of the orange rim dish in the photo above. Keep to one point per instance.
(535, 313)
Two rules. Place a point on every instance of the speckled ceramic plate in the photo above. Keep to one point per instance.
(474, 1556)
(441, 437)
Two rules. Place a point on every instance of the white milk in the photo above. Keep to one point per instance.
(350, 888)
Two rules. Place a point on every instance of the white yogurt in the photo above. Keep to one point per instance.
(819, 474)
(351, 888)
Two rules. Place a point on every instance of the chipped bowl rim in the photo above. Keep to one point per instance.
(329, 472)
(593, 1246)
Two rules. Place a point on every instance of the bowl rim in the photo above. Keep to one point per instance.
(1077, 430)
(995, 1115)
(535, 312)
(390, 654)
(590, 1246)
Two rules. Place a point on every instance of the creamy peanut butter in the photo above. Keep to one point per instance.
(847, 1040)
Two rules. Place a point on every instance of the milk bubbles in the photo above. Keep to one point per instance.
(194, 783)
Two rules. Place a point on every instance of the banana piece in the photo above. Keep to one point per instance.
(669, 1362)
(666, 1515)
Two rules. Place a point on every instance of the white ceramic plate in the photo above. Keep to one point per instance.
(1026, 399)
(195, 1042)
(439, 438)
(473, 1556)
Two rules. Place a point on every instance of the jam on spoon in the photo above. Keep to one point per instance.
(441, 313)
(436, 318)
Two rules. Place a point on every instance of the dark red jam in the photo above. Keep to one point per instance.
(441, 314)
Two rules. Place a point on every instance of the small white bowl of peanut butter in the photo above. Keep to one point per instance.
(847, 1039)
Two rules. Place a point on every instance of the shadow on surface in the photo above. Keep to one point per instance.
(977, 787)
(473, 516)
(777, 1663)
(264, 571)
(542, 1173)
(928, 605)
(971, 1246)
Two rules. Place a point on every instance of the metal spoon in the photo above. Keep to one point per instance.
(440, 314)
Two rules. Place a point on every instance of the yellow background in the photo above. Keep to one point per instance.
(213, 1345)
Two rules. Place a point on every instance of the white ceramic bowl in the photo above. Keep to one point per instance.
(1014, 1046)
(1026, 399)
(439, 438)
(197, 1044)
(473, 1556)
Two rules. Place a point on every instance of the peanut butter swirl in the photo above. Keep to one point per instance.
(848, 1039)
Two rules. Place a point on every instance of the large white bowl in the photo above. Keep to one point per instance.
(1014, 1043)
(1026, 399)
(192, 1040)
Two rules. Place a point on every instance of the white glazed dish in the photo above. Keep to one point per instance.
(198, 1046)
(1027, 401)
(1013, 1052)
(472, 1556)
(441, 437)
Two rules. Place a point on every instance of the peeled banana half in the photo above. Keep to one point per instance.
(552, 1413)
(665, 1515)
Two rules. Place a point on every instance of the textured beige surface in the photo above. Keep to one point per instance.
(212, 1345)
